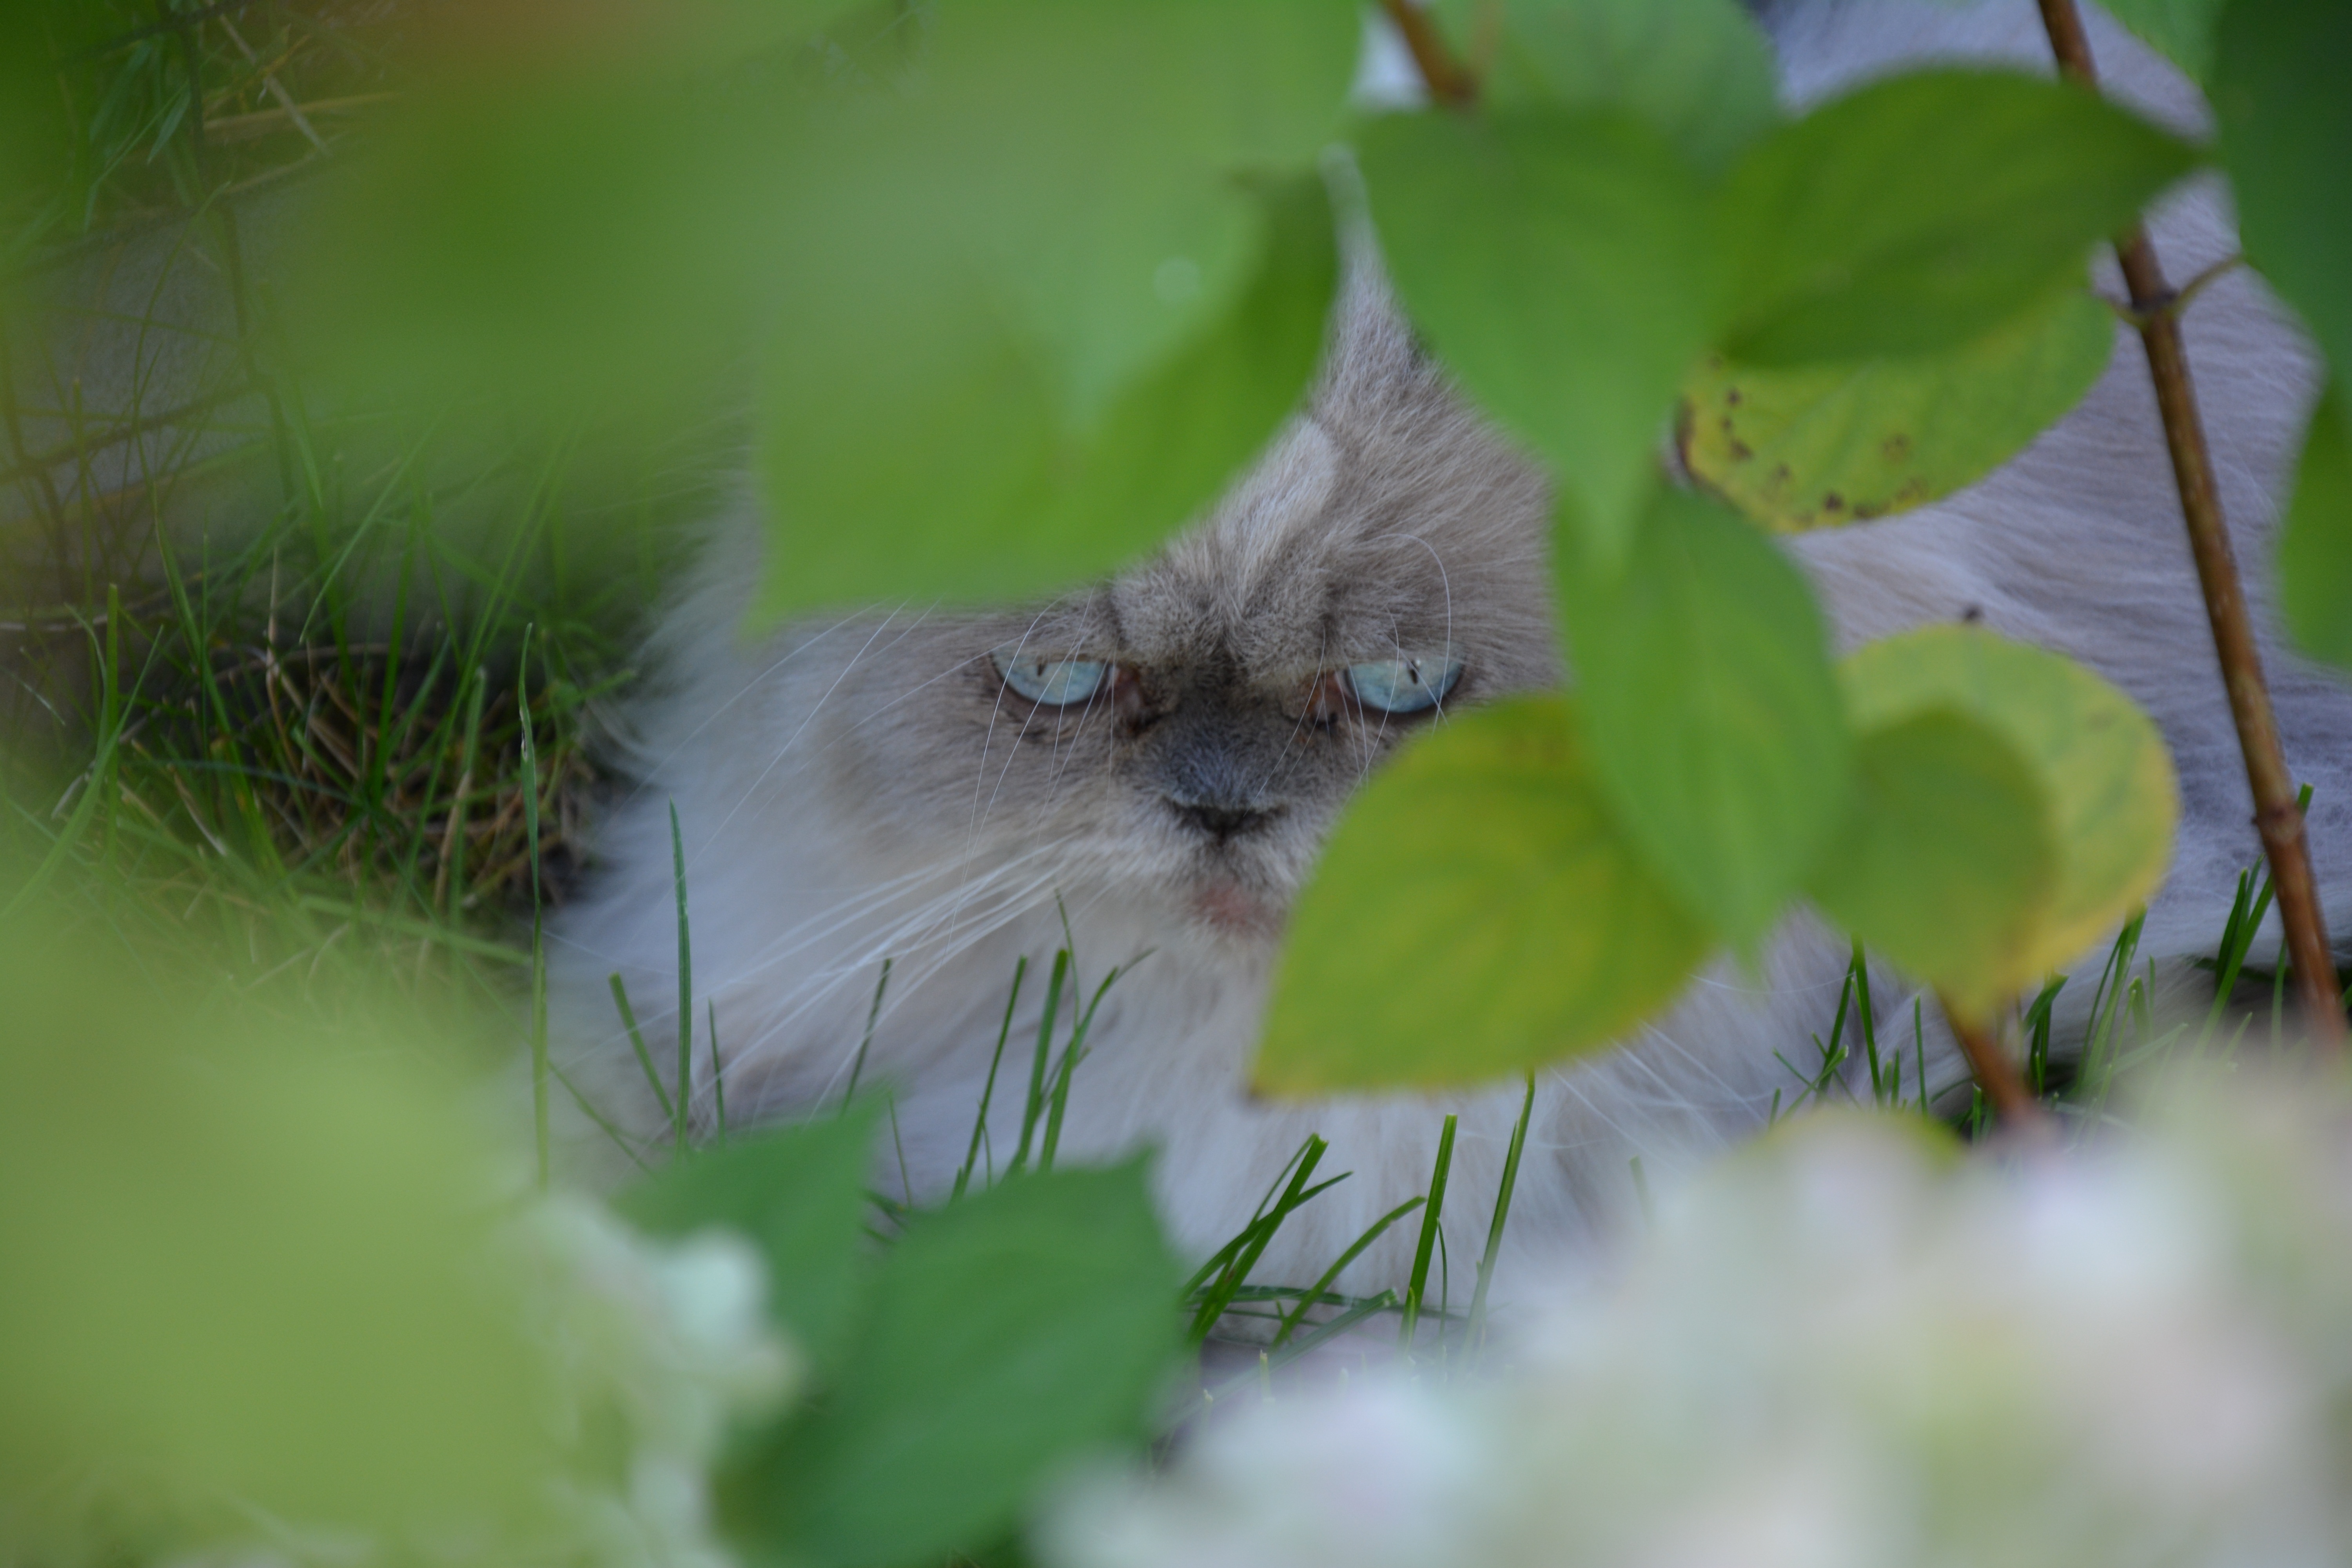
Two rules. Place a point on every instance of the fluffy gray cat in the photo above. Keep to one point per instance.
(1159, 756)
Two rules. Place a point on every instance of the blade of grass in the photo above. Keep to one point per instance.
(1322, 1288)
(1035, 1106)
(114, 705)
(637, 1043)
(452, 870)
(2098, 1048)
(865, 1040)
(1919, 1054)
(1071, 1055)
(1429, 1218)
(685, 982)
(1241, 1239)
(718, 1073)
(539, 1062)
(620, 1139)
(2037, 1034)
(1474, 1336)
(1220, 1293)
(457, 941)
(988, 1088)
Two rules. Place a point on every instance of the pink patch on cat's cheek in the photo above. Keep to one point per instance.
(1234, 910)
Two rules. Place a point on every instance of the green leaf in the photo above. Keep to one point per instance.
(1812, 446)
(1563, 268)
(796, 1193)
(2182, 30)
(1945, 863)
(2279, 75)
(1924, 210)
(1698, 73)
(2315, 558)
(1009, 1335)
(915, 449)
(1716, 733)
(2096, 758)
(1475, 914)
(1084, 157)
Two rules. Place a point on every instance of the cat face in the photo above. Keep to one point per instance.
(1188, 732)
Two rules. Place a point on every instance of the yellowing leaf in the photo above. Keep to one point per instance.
(2100, 765)
(1812, 446)
(1946, 859)
(1475, 914)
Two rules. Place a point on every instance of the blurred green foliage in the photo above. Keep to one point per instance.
(1007, 1336)
(2287, 130)
(990, 1344)
(1698, 71)
(800, 1195)
(244, 1263)
(2315, 551)
(2181, 29)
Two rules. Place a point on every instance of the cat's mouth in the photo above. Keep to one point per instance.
(1223, 904)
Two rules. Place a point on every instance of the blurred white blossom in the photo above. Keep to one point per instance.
(1847, 1346)
(661, 1349)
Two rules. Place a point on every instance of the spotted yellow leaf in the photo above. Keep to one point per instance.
(1814, 446)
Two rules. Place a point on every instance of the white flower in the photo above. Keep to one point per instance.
(1842, 1346)
(674, 1338)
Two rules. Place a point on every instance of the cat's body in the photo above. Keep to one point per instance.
(869, 787)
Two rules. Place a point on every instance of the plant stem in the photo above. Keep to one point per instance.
(2019, 1111)
(2277, 817)
(1448, 80)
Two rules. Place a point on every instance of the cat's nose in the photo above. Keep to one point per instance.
(1222, 820)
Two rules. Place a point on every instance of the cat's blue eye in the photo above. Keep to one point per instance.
(1403, 685)
(1050, 681)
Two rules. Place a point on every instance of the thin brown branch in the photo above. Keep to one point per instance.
(1449, 82)
(2277, 817)
(1997, 1075)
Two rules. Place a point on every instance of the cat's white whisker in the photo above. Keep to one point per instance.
(747, 685)
(780, 752)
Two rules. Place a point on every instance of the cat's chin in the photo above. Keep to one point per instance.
(1232, 911)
